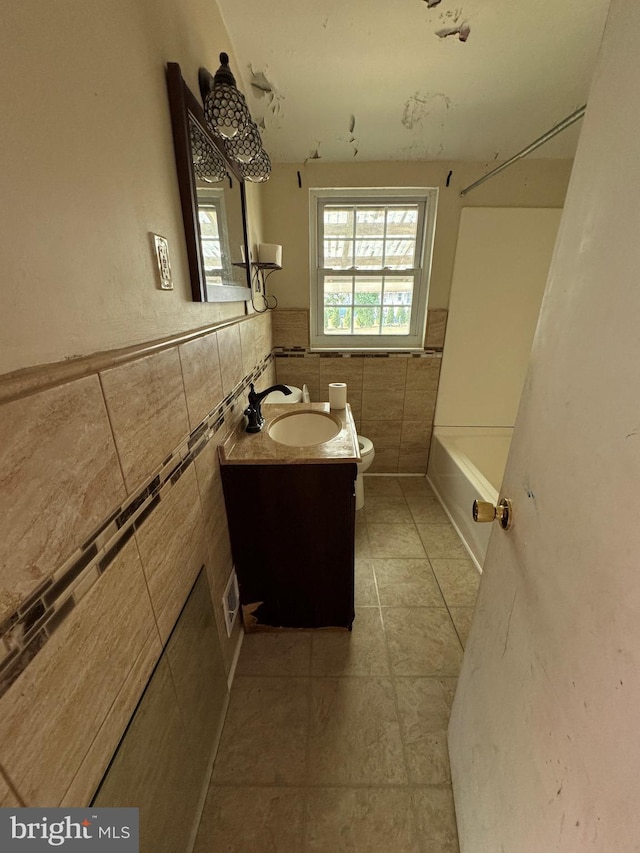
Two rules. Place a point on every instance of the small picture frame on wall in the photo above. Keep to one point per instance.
(161, 246)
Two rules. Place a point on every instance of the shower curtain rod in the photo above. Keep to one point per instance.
(558, 128)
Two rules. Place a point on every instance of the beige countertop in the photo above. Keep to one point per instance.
(243, 448)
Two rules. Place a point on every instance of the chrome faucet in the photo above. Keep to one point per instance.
(253, 411)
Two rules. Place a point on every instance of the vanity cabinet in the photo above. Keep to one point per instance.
(292, 532)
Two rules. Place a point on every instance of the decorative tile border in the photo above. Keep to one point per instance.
(30, 380)
(28, 628)
(303, 352)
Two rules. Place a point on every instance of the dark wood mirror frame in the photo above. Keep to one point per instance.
(184, 106)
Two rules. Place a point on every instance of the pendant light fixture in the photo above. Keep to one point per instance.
(208, 165)
(228, 118)
(245, 148)
(225, 108)
(258, 170)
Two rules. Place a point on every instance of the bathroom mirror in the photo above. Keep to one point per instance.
(212, 197)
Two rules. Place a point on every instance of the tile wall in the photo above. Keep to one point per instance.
(392, 395)
(7, 797)
(166, 751)
(111, 503)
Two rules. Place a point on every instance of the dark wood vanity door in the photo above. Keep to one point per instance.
(292, 534)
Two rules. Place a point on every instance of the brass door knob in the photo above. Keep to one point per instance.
(486, 511)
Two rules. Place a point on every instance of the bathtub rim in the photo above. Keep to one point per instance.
(444, 440)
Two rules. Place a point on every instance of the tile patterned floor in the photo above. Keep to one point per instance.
(337, 741)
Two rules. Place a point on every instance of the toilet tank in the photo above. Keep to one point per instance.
(279, 397)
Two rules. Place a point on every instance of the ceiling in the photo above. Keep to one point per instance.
(380, 80)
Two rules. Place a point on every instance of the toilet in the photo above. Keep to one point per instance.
(367, 452)
(298, 395)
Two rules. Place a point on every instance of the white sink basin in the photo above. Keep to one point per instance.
(300, 429)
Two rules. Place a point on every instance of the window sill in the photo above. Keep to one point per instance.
(366, 350)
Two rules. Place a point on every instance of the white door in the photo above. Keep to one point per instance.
(545, 731)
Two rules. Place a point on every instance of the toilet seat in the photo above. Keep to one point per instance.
(366, 446)
(368, 455)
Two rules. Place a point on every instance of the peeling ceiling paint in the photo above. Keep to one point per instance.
(260, 82)
(314, 155)
(416, 79)
(462, 31)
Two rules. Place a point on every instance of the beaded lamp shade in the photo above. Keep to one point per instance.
(225, 108)
(208, 165)
(258, 170)
(247, 147)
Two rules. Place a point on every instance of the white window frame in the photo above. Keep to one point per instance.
(213, 197)
(318, 199)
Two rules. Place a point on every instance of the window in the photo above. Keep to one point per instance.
(370, 258)
(213, 236)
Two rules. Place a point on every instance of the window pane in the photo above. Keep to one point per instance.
(395, 321)
(208, 218)
(338, 254)
(400, 254)
(212, 253)
(338, 290)
(337, 321)
(370, 222)
(398, 291)
(369, 253)
(338, 222)
(368, 291)
(366, 321)
(402, 222)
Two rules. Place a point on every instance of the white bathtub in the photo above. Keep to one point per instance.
(467, 464)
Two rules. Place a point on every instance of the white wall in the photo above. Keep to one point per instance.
(88, 171)
(501, 266)
(528, 183)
